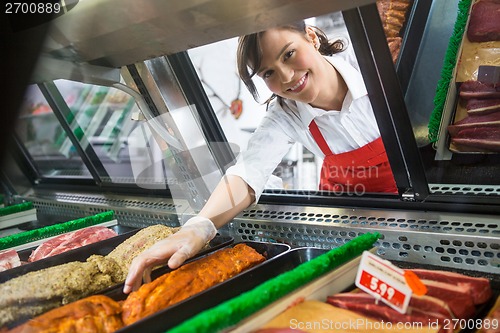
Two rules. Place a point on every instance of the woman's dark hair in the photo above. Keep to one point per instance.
(249, 53)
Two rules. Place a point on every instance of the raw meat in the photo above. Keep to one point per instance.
(423, 303)
(482, 106)
(480, 287)
(9, 259)
(473, 123)
(477, 121)
(385, 313)
(484, 22)
(458, 298)
(479, 130)
(70, 241)
(477, 144)
(476, 89)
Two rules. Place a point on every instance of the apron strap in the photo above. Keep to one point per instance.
(318, 137)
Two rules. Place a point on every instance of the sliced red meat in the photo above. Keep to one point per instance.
(480, 118)
(477, 121)
(480, 287)
(484, 22)
(490, 133)
(476, 89)
(423, 303)
(482, 106)
(9, 259)
(383, 312)
(70, 241)
(475, 144)
(458, 297)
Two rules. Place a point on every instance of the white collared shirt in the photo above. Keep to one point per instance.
(350, 128)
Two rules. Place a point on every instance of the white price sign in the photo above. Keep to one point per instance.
(384, 281)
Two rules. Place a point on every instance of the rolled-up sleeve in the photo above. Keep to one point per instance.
(265, 150)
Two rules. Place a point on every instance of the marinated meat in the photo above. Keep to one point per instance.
(482, 106)
(94, 314)
(476, 89)
(124, 253)
(188, 280)
(480, 288)
(70, 241)
(484, 22)
(9, 259)
(36, 292)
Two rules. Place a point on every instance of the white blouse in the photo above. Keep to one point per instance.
(351, 128)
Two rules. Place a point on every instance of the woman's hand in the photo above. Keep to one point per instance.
(179, 247)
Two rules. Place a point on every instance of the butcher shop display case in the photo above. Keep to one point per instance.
(142, 114)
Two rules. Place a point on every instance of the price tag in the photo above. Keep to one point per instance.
(384, 281)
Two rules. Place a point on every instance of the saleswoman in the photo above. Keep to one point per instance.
(320, 100)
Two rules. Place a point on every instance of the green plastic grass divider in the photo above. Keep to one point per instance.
(449, 63)
(234, 310)
(54, 230)
(16, 208)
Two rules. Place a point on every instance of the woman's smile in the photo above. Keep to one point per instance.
(299, 85)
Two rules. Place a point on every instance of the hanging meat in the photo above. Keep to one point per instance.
(393, 16)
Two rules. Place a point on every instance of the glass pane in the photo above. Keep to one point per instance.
(240, 115)
(101, 118)
(471, 168)
(45, 139)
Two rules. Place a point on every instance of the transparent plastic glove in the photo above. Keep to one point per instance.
(175, 249)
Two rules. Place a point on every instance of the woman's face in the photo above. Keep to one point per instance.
(291, 65)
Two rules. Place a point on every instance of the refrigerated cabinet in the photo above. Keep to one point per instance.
(140, 136)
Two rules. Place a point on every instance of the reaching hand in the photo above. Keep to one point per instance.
(177, 248)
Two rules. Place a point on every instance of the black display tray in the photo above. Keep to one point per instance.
(103, 248)
(176, 314)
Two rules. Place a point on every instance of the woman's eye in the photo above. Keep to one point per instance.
(289, 54)
(267, 74)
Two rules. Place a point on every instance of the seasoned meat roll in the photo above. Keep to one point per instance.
(188, 280)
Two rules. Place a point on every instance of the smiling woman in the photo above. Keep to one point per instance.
(319, 100)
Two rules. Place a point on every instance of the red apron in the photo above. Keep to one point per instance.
(365, 169)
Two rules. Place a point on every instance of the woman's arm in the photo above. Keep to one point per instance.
(231, 196)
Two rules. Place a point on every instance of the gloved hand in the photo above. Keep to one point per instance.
(177, 248)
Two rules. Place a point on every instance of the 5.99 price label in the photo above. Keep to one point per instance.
(383, 281)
